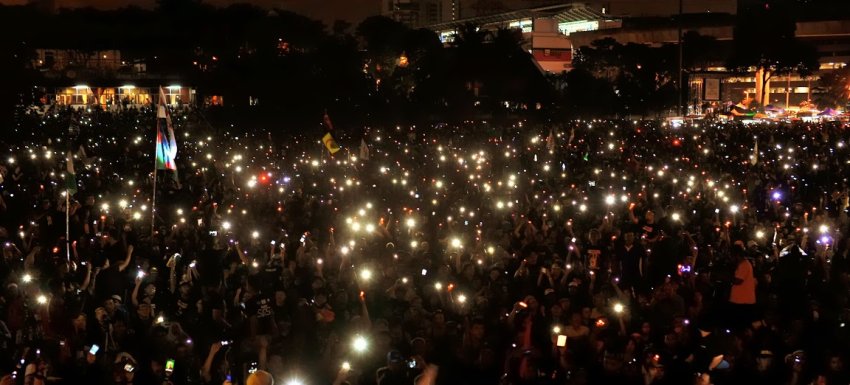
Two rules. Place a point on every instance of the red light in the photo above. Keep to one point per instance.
(677, 142)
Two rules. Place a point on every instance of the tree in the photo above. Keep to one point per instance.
(835, 87)
(765, 41)
(641, 76)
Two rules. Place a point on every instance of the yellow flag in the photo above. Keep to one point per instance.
(330, 143)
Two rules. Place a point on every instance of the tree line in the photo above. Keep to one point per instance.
(381, 71)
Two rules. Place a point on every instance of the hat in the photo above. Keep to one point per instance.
(394, 356)
(116, 298)
(548, 291)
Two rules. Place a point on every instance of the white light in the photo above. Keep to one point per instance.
(610, 200)
(556, 330)
(346, 366)
(411, 222)
(759, 234)
(438, 286)
(137, 215)
(823, 229)
(344, 250)
(366, 274)
(41, 299)
(618, 308)
(582, 207)
(676, 216)
(255, 234)
(225, 225)
(160, 319)
(461, 298)
(456, 243)
(360, 344)
(27, 278)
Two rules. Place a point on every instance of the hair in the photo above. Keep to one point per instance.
(260, 377)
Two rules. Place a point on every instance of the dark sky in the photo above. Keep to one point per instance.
(325, 10)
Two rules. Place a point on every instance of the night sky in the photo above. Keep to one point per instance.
(325, 10)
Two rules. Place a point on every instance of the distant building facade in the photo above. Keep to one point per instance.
(104, 78)
(546, 30)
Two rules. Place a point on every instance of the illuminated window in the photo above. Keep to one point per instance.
(577, 26)
(526, 25)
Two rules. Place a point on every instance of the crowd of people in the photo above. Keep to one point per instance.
(581, 252)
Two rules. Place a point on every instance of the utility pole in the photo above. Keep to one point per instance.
(682, 109)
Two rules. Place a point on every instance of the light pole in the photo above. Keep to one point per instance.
(682, 109)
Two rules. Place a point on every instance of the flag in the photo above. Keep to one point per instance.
(330, 143)
(754, 158)
(166, 145)
(364, 150)
(327, 121)
(550, 141)
(70, 174)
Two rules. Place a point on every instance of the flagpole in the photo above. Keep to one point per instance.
(153, 199)
(67, 224)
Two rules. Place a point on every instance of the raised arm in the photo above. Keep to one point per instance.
(126, 261)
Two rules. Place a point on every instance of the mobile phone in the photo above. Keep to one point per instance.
(169, 366)
(684, 269)
(600, 323)
(523, 304)
(214, 233)
(411, 364)
(562, 340)
(253, 368)
(129, 368)
(94, 349)
(226, 342)
(229, 378)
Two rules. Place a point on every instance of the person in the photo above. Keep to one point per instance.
(742, 297)
(260, 377)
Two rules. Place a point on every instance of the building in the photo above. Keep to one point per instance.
(547, 30)
(554, 33)
(85, 78)
(418, 13)
(714, 82)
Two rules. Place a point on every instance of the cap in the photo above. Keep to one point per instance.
(116, 298)
(394, 356)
